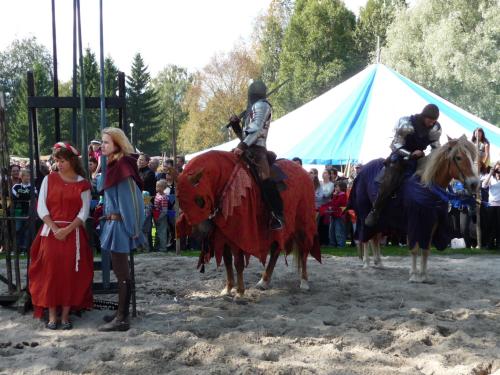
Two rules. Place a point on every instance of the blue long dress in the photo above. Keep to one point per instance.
(125, 199)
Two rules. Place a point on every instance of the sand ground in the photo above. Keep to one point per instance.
(353, 321)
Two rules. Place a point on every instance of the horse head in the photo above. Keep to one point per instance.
(453, 160)
(198, 186)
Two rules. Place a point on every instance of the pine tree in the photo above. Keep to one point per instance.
(110, 88)
(143, 108)
(91, 84)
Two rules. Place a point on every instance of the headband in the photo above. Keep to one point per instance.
(67, 146)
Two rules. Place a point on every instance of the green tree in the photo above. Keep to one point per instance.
(172, 84)
(219, 90)
(92, 89)
(143, 108)
(19, 57)
(18, 115)
(374, 19)
(111, 87)
(451, 48)
(318, 51)
(269, 34)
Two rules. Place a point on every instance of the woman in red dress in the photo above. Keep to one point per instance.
(61, 269)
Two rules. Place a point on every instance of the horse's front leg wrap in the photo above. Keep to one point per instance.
(228, 263)
(239, 264)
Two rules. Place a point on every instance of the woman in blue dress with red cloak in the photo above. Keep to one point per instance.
(121, 226)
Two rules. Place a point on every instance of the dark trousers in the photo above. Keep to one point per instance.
(494, 227)
(393, 178)
(460, 221)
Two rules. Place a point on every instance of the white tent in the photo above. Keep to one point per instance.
(355, 120)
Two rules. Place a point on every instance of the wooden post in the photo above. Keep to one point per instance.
(5, 190)
(478, 198)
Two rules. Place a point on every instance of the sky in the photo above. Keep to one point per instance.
(182, 32)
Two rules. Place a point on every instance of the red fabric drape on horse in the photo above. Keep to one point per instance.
(242, 221)
(54, 280)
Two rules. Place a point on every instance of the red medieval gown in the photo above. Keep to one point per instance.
(56, 276)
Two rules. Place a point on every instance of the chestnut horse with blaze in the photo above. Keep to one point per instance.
(221, 205)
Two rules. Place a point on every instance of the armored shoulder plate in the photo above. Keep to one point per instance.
(402, 129)
(257, 123)
(435, 135)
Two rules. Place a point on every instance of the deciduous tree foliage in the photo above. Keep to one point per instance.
(19, 57)
(172, 84)
(219, 90)
(374, 19)
(269, 33)
(318, 51)
(451, 48)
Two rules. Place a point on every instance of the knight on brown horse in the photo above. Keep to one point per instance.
(253, 148)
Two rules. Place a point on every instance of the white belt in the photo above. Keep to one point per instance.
(46, 231)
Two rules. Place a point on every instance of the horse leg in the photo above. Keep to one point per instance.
(376, 252)
(304, 283)
(265, 280)
(227, 256)
(414, 276)
(366, 253)
(239, 264)
(423, 266)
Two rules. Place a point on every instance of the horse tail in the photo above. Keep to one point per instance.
(351, 202)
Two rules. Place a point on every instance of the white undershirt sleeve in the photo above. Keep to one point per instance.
(41, 208)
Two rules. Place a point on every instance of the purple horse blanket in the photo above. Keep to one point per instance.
(414, 209)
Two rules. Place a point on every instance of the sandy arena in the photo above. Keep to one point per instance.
(353, 321)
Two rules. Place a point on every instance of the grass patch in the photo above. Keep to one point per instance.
(346, 252)
(386, 251)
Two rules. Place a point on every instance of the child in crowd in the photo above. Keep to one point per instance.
(21, 193)
(160, 210)
(148, 209)
(337, 224)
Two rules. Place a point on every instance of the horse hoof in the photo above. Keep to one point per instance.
(366, 265)
(262, 285)
(240, 299)
(415, 279)
(304, 285)
(226, 292)
(378, 265)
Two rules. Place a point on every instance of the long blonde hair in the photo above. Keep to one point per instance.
(121, 142)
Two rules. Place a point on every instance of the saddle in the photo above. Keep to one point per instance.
(276, 173)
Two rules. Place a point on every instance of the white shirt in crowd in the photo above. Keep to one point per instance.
(494, 190)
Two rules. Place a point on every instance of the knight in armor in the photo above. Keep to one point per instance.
(253, 145)
(412, 136)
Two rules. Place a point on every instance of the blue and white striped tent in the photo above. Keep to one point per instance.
(354, 121)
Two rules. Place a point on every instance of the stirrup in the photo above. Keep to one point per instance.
(372, 218)
(277, 223)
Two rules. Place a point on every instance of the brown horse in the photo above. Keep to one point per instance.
(421, 205)
(221, 204)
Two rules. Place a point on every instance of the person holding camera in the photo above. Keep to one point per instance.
(492, 181)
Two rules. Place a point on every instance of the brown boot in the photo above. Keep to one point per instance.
(121, 321)
(115, 325)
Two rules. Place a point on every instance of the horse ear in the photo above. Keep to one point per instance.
(462, 138)
(449, 138)
(195, 178)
